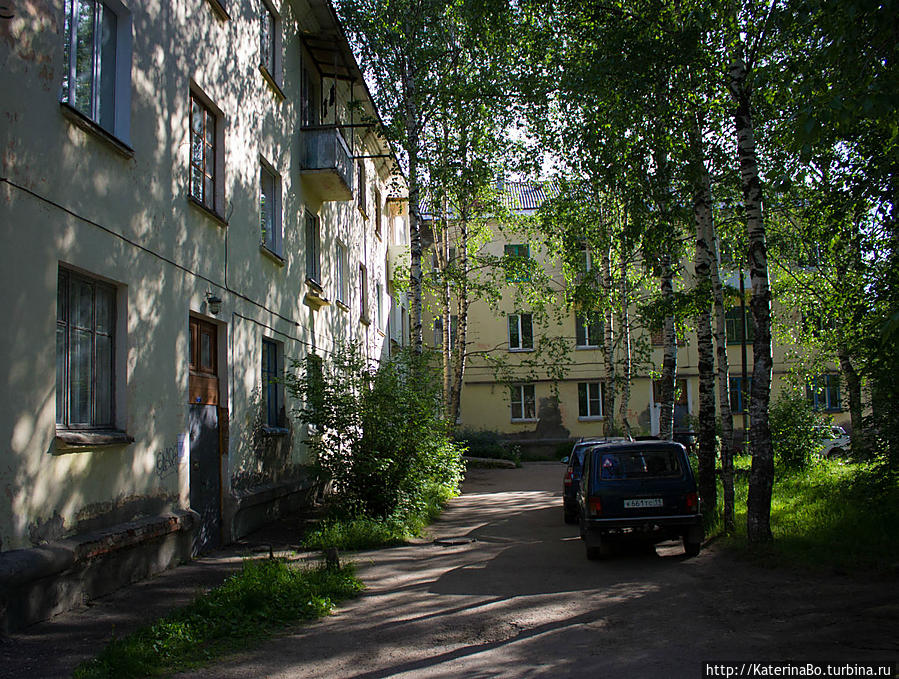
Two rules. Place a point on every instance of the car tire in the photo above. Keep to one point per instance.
(570, 517)
(691, 549)
(836, 452)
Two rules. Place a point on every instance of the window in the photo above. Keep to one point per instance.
(313, 249)
(97, 78)
(733, 326)
(308, 108)
(378, 305)
(272, 385)
(360, 187)
(363, 294)
(454, 331)
(680, 392)
(340, 279)
(206, 158)
(588, 333)
(270, 43)
(85, 352)
(823, 392)
(517, 267)
(524, 403)
(377, 213)
(584, 258)
(737, 404)
(590, 397)
(315, 379)
(521, 333)
(270, 208)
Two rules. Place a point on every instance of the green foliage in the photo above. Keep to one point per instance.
(793, 430)
(364, 532)
(831, 514)
(265, 596)
(376, 433)
(489, 444)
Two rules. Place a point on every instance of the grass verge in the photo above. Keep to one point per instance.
(363, 532)
(834, 515)
(265, 596)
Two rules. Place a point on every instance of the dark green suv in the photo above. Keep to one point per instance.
(638, 490)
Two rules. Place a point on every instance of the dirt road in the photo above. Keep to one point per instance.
(521, 600)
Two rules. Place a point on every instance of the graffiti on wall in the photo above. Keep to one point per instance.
(169, 459)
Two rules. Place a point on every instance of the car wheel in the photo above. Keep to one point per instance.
(691, 549)
(835, 452)
(570, 517)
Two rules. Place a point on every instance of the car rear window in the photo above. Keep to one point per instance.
(639, 464)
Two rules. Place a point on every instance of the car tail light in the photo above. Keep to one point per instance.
(692, 502)
(594, 505)
(569, 478)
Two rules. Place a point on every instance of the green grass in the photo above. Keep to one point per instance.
(266, 596)
(364, 532)
(833, 515)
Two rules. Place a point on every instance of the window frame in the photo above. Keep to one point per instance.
(521, 391)
(271, 64)
(587, 414)
(735, 389)
(66, 277)
(362, 188)
(214, 203)
(119, 84)
(520, 346)
(514, 250)
(272, 368)
(341, 280)
(275, 245)
(313, 236)
(733, 327)
(582, 330)
(827, 386)
(363, 295)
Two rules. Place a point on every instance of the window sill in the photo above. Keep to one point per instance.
(362, 211)
(212, 214)
(524, 420)
(68, 440)
(271, 254)
(219, 10)
(77, 118)
(275, 432)
(521, 351)
(590, 418)
(365, 320)
(313, 297)
(340, 305)
(585, 347)
(270, 79)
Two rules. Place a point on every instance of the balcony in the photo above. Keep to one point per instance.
(327, 163)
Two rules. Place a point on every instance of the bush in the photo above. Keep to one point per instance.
(375, 433)
(793, 430)
(489, 444)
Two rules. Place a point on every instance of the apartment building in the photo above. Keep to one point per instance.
(192, 197)
(541, 398)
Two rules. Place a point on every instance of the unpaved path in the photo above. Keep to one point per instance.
(522, 600)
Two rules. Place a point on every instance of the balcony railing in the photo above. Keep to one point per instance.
(328, 163)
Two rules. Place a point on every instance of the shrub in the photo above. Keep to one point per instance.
(489, 444)
(376, 433)
(793, 430)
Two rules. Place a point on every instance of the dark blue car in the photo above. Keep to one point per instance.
(572, 477)
(641, 490)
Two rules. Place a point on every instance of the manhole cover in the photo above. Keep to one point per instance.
(451, 542)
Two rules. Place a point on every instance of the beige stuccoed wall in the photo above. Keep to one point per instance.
(70, 198)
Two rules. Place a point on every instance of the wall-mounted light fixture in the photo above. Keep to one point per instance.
(214, 303)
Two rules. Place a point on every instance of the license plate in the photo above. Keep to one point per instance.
(638, 503)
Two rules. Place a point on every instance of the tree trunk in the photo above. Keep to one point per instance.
(761, 477)
(459, 371)
(702, 213)
(412, 121)
(854, 390)
(669, 359)
(728, 443)
(624, 328)
(610, 428)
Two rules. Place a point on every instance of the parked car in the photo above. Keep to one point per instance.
(638, 490)
(572, 476)
(834, 441)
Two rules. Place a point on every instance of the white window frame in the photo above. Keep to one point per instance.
(589, 342)
(119, 81)
(600, 396)
(521, 391)
(272, 230)
(520, 344)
